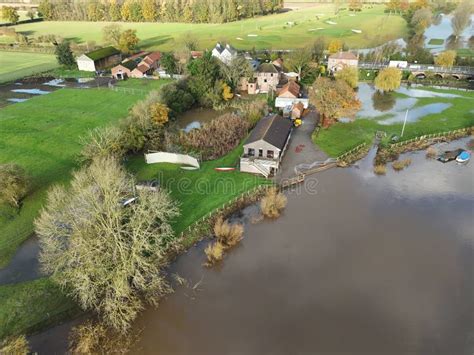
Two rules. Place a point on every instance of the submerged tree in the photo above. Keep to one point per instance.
(350, 75)
(383, 101)
(446, 59)
(105, 252)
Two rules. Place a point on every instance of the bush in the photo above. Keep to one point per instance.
(177, 97)
(216, 138)
(13, 184)
(228, 234)
(273, 203)
(252, 111)
(17, 345)
(380, 169)
(214, 252)
(431, 152)
(401, 164)
(102, 142)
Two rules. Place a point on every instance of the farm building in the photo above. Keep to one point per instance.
(289, 95)
(99, 59)
(224, 53)
(124, 70)
(340, 60)
(137, 66)
(264, 148)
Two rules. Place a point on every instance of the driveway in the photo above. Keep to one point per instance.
(301, 149)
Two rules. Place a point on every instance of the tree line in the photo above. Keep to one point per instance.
(198, 11)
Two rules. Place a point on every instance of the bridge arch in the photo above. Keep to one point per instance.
(455, 76)
(420, 76)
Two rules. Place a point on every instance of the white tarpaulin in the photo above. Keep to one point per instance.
(164, 157)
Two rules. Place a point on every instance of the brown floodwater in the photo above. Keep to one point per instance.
(357, 264)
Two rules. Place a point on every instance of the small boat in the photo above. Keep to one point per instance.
(463, 157)
(224, 169)
(189, 167)
(449, 155)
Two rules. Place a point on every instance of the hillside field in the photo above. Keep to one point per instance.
(291, 29)
(15, 65)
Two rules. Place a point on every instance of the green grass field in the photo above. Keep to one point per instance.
(270, 31)
(15, 65)
(42, 135)
(343, 136)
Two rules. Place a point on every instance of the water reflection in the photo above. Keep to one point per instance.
(383, 101)
(441, 29)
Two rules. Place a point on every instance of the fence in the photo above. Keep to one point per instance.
(432, 135)
(351, 151)
(127, 90)
(242, 197)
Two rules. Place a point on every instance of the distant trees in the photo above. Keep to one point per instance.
(334, 99)
(64, 54)
(106, 254)
(462, 17)
(14, 184)
(421, 20)
(446, 59)
(350, 75)
(388, 79)
(198, 11)
(10, 14)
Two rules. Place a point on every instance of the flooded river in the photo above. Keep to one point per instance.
(357, 264)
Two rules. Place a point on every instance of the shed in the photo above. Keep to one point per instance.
(99, 59)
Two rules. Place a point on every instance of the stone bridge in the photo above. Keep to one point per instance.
(422, 70)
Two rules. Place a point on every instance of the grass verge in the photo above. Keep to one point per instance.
(16, 65)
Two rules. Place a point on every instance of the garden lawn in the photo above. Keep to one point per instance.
(341, 137)
(43, 136)
(270, 31)
(198, 191)
(15, 65)
(31, 306)
(143, 84)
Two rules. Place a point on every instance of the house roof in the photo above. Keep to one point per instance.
(299, 105)
(272, 129)
(154, 56)
(343, 55)
(143, 68)
(102, 53)
(278, 62)
(267, 68)
(220, 48)
(148, 61)
(292, 87)
(196, 54)
(129, 64)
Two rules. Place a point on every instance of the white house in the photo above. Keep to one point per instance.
(264, 148)
(99, 59)
(224, 53)
(402, 64)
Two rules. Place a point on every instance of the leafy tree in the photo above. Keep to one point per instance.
(128, 40)
(446, 59)
(111, 34)
(388, 79)
(421, 19)
(13, 184)
(177, 96)
(159, 113)
(107, 255)
(10, 14)
(114, 11)
(334, 99)
(299, 60)
(238, 68)
(335, 45)
(149, 10)
(226, 92)
(102, 142)
(64, 54)
(205, 72)
(350, 75)
(30, 14)
(462, 17)
(169, 62)
(317, 51)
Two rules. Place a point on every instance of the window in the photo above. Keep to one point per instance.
(251, 152)
(260, 152)
(270, 154)
(264, 80)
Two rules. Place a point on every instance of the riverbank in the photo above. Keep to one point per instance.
(430, 111)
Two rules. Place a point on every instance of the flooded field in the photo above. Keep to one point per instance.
(441, 29)
(389, 108)
(357, 264)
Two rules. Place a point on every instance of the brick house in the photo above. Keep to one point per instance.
(340, 60)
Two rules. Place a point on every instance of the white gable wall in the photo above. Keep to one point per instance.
(85, 63)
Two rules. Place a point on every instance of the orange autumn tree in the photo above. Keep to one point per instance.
(333, 99)
(159, 113)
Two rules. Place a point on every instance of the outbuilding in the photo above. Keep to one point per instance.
(99, 59)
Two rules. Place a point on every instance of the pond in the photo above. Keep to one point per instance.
(357, 263)
(389, 108)
(195, 117)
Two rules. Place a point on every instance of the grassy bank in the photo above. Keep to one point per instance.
(272, 31)
(15, 65)
(43, 136)
(344, 136)
(198, 191)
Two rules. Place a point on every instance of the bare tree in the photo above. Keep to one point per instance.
(106, 253)
(13, 184)
(462, 17)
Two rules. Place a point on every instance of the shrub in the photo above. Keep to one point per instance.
(380, 169)
(95, 338)
(273, 203)
(102, 142)
(401, 164)
(177, 96)
(216, 138)
(17, 345)
(254, 111)
(214, 252)
(13, 184)
(431, 152)
(228, 234)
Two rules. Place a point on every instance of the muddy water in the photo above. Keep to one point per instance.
(360, 264)
(357, 264)
(194, 118)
